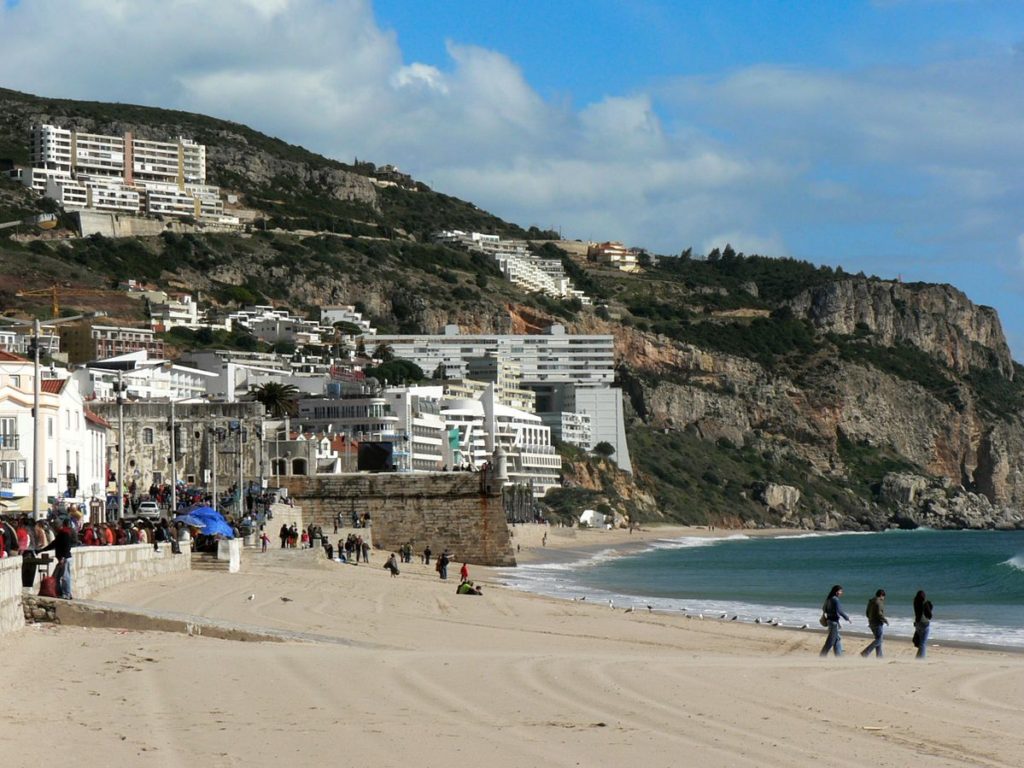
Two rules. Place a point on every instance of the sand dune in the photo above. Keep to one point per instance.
(419, 675)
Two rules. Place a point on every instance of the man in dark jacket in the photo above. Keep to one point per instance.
(876, 620)
(61, 546)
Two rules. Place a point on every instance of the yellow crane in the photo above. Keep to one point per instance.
(56, 292)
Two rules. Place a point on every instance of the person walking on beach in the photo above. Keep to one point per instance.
(876, 621)
(392, 565)
(922, 622)
(442, 565)
(833, 611)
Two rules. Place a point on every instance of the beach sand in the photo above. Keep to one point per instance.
(406, 672)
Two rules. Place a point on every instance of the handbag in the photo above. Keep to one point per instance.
(48, 586)
(823, 620)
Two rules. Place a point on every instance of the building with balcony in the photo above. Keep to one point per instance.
(72, 440)
(87, 340)
(122, 174)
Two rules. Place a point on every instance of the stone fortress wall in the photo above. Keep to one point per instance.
(460, 511)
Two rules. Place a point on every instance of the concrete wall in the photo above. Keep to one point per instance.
(124, 225)
(460, 511)
(96, 568)
(12, 615)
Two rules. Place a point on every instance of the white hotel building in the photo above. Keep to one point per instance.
(122, 174)
(568, 373)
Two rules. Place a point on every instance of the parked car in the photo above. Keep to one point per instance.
(149, 509)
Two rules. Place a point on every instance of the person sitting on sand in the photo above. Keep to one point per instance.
(467, 588)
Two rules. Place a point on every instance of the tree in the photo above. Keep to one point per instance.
(604, 449)
(396, 372)
(384, 353)
(278, 399)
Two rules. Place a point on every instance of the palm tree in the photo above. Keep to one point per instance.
(278, 399)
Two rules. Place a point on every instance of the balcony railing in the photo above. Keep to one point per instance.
(10, 441)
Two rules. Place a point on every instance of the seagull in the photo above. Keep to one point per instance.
(700, 616)
(650, 607)
(286, 599)
(757, 620)
(630, 609)
(251, 597)
(723, 615)
(804, 627)
(734, 618)
(611, 603)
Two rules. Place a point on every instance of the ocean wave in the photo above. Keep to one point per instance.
(690, 542)
(1016, 562)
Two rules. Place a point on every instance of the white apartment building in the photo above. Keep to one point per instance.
(73, 440)
(145, 379)
(20, 342)
(122, 174)
(431, 431)
(517, 263)
(544, 358)
(345, 313)
(180, 312)
(273, 325)
(570, 427)
(550, 363)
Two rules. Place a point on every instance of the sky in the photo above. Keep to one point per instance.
(885, 136)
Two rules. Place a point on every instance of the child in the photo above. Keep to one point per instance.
(264, 540)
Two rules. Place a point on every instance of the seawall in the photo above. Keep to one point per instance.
(458, 511)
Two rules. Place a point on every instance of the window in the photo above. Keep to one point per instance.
(147, 436)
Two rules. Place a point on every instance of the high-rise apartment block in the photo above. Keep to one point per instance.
(122, 174)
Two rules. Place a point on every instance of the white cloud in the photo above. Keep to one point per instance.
(758, 157)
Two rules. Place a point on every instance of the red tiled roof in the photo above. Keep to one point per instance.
(95, 418)
(53, 386)
(10, 357)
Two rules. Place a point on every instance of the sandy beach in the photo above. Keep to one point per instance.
(404, 671)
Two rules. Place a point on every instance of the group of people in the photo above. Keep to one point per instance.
(832, 611)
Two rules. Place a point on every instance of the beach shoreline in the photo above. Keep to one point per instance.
(415, 672)
(566, 545)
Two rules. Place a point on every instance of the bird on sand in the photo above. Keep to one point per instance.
(251, 597)
(286, 599)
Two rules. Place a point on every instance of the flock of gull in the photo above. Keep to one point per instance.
(773, 621)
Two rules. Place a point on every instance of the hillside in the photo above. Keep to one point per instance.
(758, 390)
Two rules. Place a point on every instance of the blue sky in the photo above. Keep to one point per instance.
(884, 136)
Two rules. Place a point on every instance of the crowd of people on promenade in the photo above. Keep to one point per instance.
(832, 611)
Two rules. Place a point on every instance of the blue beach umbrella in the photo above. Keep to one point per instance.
(190, 520)
(211, 522)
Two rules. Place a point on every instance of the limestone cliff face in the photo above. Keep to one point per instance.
(721, 396)
(938, 319)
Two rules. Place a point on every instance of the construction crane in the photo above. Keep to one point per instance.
(57, 292)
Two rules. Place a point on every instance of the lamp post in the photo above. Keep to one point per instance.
(214, 441)
(174, 465)
(120, 446)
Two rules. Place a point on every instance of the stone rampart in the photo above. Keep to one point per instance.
(12, 615)
(96, 568)
(460, 511)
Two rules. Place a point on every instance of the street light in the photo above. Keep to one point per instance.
(120, 366)
(37, 423)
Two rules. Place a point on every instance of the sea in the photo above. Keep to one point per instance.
(975, 579)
